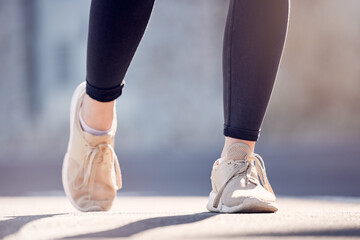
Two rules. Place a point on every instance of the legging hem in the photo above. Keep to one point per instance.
(104, 94)
(240, 133)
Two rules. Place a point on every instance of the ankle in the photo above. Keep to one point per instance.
(229, 141)
(97, 115)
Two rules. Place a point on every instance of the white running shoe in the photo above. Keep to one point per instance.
(91, 172)
(239, 183)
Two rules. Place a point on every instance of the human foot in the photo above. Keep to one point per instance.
(239, 183)
(91, 172)
(229, 141)
(97, 115)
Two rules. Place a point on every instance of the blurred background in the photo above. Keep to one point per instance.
(170, 114)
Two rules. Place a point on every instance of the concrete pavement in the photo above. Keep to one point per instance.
(177, 218)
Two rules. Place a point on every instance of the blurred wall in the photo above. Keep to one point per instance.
(318, 87)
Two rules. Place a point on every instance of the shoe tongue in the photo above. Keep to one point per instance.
(237, 151)
(96, 140)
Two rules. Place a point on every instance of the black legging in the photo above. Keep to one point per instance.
(253, 43)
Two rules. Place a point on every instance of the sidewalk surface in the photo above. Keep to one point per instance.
(177, 218)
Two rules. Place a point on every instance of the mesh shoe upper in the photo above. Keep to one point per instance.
(239, 175)
(91, 169)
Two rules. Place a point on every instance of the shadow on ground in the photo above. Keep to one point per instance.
(345, 232)
(15, 223)
(146, 224)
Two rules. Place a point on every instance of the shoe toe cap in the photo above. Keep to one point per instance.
(86, 204)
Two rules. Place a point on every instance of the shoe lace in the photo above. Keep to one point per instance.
(90, 155)
(241, 167)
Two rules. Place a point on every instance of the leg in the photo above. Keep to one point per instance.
(115, 30)
(253, 43)
(91, 172)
